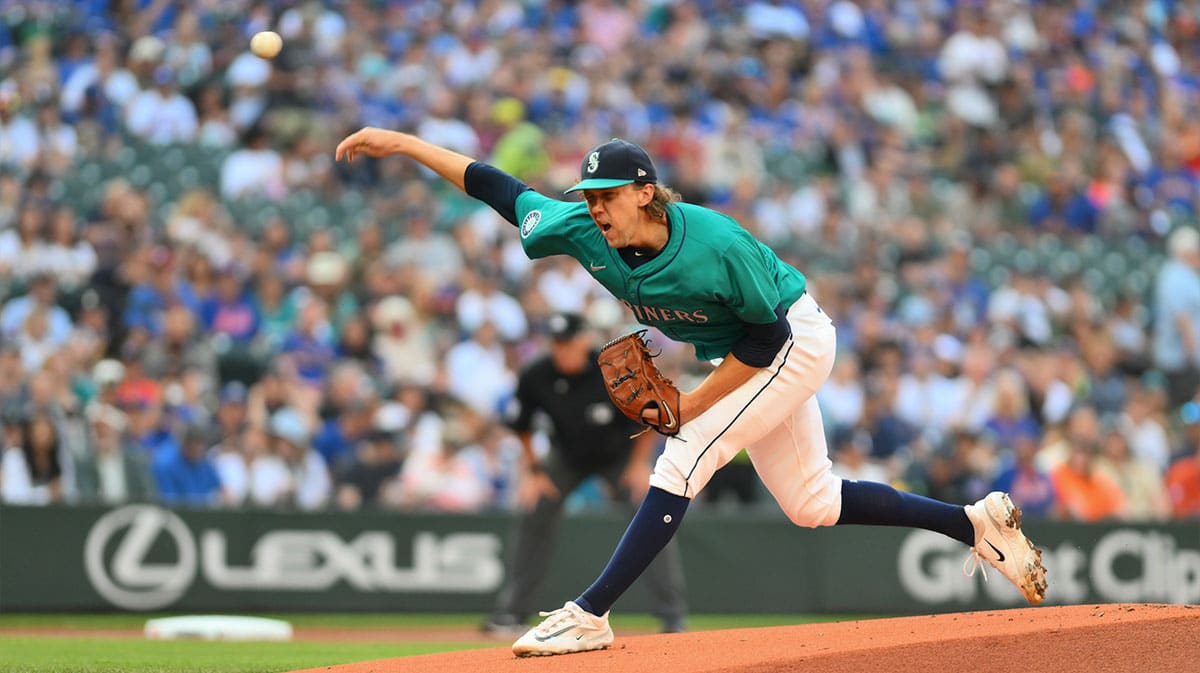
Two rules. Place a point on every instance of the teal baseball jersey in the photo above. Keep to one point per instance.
(710, 279)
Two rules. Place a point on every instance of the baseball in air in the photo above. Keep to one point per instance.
(266, 44)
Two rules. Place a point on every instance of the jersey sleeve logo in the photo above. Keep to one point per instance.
(531, 220)
(593, 162)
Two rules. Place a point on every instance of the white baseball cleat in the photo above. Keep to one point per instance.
(1000, 542)
(565, 630)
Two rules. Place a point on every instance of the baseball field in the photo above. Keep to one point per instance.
(1094, 638)
(114, 643)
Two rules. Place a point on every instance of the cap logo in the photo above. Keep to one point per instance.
(641, 173)
(593, 162)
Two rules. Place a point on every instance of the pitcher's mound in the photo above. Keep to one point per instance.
(1075, 639)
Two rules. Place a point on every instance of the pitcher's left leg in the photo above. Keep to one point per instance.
(793, 463)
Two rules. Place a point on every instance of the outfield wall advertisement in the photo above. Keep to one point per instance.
(147, 558)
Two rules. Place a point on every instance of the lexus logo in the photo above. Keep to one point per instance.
(143, 557)
(124, 576)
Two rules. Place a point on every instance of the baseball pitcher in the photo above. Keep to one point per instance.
(699, 277)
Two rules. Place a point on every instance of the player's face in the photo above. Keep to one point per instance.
(617, 211)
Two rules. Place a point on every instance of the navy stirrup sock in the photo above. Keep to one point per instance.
(873, 504)
(652, 527)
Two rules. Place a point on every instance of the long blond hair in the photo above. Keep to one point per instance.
(663, 197)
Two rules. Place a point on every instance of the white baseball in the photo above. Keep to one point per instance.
(266, 44)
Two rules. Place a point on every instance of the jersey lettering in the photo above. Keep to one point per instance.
(651, 314)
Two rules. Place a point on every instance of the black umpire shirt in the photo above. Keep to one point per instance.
(587, 430)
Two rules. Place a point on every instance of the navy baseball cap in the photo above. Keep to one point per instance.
(613, 164)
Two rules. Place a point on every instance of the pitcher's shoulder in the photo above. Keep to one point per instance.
(711, 226)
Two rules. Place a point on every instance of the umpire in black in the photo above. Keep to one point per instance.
(588, 436)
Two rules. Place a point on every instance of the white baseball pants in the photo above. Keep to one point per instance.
(775, 417)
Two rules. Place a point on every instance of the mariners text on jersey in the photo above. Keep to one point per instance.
(721, 277)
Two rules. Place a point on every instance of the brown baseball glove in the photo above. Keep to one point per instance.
(635, 384)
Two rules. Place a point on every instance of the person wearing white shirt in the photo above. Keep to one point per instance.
(851, 457)
(975, 385)
(247, 77)
(486, 303)
(290, 473)
(236, 440)
(30, 472)
(187, 52)
(1177, 315)
(441, 479)
(254, 170)
(442, 126)
(326, 27)
(915, 402)
(118, 85)
(973, 55)
(16, 485)
(842, 397)
(216, 128)
(229, 460)
(1146, 435)
(937, 397)
(113, 470)
(566, 286)
(22, 246)
(476, 371)
(435, 255)
(41, 296)
(162, 115)
(472, 62)
(35, 342)
(403, 342)
(57, 142)
(67, 256)
(18, 134)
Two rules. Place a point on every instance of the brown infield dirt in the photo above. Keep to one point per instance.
(1076, 639)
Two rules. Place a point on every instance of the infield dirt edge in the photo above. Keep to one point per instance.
(1109, 638)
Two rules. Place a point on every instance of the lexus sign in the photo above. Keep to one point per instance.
(124, 577)
(119, 543)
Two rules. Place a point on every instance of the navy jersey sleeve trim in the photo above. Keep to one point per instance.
(495, 188)
(762, 342)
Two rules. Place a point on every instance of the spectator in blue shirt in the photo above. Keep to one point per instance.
(186, 476)
(1029, 487)
(147, 428)
(341, 432)
(1063, 208)
(1011, 418)
(163, 288)
(229, 311)
(309, 348)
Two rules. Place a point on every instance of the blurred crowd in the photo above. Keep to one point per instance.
(996, 202)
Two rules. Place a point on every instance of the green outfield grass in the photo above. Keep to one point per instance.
(72, 654)
(46, 654)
